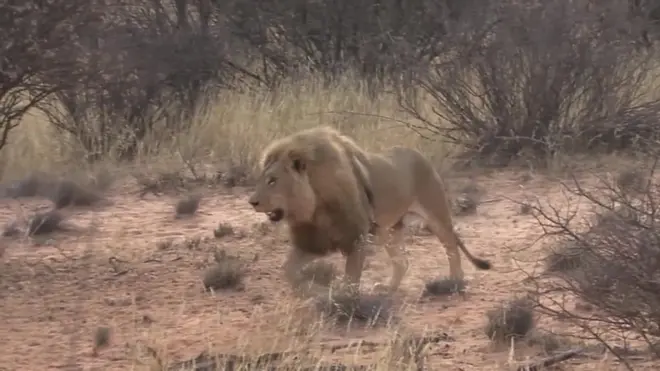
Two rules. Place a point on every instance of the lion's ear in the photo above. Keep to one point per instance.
(297, 162)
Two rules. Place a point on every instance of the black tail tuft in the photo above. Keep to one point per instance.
(481, 264)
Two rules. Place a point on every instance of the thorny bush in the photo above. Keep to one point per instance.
(538, 79)
(615, 261)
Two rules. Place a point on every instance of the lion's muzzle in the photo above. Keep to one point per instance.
(274, 215)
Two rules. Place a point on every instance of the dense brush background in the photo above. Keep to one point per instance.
(496, 80)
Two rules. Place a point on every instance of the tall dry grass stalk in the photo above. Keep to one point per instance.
(235, 127)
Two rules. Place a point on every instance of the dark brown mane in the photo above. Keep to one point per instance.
(342, 235)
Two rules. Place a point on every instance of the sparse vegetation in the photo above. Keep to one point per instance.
(11, 229)
(565, 258)
(69, 193)
(45, 223)
(608, 263)
(184, 95)
(631, 180)
(227, 272)
(187, 205)
(525, 208)
(319, 272)
(514, 319)
(466, 204)
(369, 310)
(443, 286)
(101, 338)
(223, 230)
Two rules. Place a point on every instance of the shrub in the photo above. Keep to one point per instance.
(538, 79)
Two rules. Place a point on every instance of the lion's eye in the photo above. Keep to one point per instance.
(270, 181)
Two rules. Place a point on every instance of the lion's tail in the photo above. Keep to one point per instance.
(478, 262)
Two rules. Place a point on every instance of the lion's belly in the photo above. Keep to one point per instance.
(396, 178)
(393, 194)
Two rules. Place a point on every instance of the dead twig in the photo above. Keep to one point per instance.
(550, 361)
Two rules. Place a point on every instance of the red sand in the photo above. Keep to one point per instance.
(115, 270)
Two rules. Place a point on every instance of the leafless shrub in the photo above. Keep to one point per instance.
(153, 72)
(374, 39)
(535, 79)
(613, 267)
(38, 58)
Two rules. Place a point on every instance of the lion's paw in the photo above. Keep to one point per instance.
(380, 288)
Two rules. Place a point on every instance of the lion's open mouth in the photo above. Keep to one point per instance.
(275, 215)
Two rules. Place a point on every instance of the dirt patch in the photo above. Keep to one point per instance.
(132, 285)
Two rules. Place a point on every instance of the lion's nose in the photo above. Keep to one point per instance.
(253, 203)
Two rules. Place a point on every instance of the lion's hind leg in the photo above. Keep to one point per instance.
(435, 210)
(434, 206)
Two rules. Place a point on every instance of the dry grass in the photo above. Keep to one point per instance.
(228, 139)
(187, 205)
(232, 133)
(514, 319)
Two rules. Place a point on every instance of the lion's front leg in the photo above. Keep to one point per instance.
(293, 265)
(353, 269)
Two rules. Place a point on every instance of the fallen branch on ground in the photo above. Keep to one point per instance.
(550, 361)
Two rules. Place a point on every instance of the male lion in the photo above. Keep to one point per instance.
(332, 193)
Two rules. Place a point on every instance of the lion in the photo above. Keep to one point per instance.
(332, 194)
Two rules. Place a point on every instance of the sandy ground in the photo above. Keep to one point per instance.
(128, 266)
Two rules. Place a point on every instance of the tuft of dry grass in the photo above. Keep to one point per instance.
(631, 180)
(319, 272)
(227, 273)
(69, 193)
(564, 259)
(443, 287)
(44, 223)
(525, 208)
(231, 133)
(466, 204)
(223, 230)
(514, 319)
(468, 199)
(187, 205)
(101, 338)
(11, 229)
(30, 186)
(371, 309)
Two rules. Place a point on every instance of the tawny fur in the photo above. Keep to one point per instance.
(330, 191)
(321, 192)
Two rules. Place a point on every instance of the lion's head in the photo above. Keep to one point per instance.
(283, 189)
